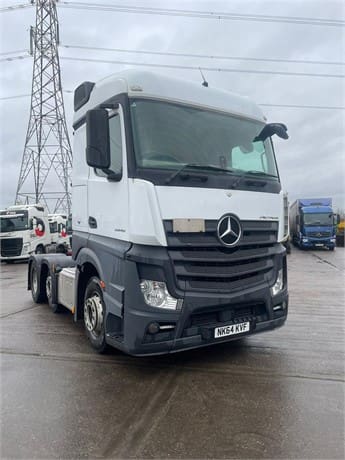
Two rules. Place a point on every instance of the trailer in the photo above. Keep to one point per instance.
(178, 218)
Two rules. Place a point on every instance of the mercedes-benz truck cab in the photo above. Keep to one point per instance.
(24, 230)
(178, 218)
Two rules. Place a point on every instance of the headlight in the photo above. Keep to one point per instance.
(26, 247)
(305, 240)
(279, 284)
(156, 295)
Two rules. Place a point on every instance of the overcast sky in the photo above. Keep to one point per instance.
(311, 162)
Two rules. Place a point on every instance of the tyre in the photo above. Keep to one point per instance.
(39, 249)
(94, 315)
(55, 307)
(331, 249)
(38, 291)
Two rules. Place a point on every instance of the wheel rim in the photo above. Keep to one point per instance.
(49, 287)
(34, 281)
(93, 314)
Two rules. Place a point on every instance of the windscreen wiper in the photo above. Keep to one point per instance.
(196, 166)
(252, 173)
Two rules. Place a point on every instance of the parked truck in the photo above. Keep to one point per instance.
(60, 239)
(24, 229)
(178, 218)
(312, 223)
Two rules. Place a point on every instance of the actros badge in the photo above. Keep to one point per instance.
(229, 230)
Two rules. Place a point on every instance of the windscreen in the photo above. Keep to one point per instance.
(167, 136)
(13, 221)
(317, 219)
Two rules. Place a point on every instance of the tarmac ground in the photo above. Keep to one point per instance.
(275, 395)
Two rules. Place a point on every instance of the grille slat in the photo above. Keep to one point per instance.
(217, 255)
(202, 262)
(221, 271)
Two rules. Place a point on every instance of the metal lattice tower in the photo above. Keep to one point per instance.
(45, 173)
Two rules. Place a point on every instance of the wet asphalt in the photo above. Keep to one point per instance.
(275, 395)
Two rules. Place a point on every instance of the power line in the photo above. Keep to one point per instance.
(14, 58)
(298, 106)
(202, 14)
(202, 56)
(289, 106)
(7, 9)
(13, 52)
(210, 69)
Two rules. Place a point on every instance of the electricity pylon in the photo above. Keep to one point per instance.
(45, 173)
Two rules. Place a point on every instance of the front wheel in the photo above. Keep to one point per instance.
(39, 249)
(94, 315)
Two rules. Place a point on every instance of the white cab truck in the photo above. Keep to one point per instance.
(58, 226)
(178, 218)
(24, 230)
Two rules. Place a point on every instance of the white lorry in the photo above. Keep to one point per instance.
(178, 218)
(24, 229)
(58, 226)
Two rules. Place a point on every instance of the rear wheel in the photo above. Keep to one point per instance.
(56, 308)
(38, 291)
(94, 315)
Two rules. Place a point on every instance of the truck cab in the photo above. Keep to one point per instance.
(178, 218)
(24, 229)
(314, 223)
(58, 225)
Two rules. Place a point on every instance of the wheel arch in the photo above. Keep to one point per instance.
(88, 266)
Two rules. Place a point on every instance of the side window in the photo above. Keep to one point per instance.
(53, 227)
(115, 146)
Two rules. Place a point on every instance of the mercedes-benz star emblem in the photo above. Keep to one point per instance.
(229, 230)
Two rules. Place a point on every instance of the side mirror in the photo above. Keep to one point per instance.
(97, 139)
(31, 224)
(336, 218)
(273, 128)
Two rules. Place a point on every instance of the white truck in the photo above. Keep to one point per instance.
(24, 229)
(58, 226)
(178, 218)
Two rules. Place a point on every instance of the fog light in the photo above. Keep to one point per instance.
(279, 284)
(305, 240)
(153, 328)
(156, 295)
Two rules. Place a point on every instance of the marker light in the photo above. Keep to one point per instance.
(156, 295)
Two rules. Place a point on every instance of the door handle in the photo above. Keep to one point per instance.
(92, 222)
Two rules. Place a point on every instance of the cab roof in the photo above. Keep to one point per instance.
(142, 84)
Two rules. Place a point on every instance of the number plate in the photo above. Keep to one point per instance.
(232, 329)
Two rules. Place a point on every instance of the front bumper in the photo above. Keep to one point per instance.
(12, 258)
(194, 325)
(314, 243)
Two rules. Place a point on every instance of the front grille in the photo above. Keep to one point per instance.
(11, 247)
(319, 234)
(201, 262)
